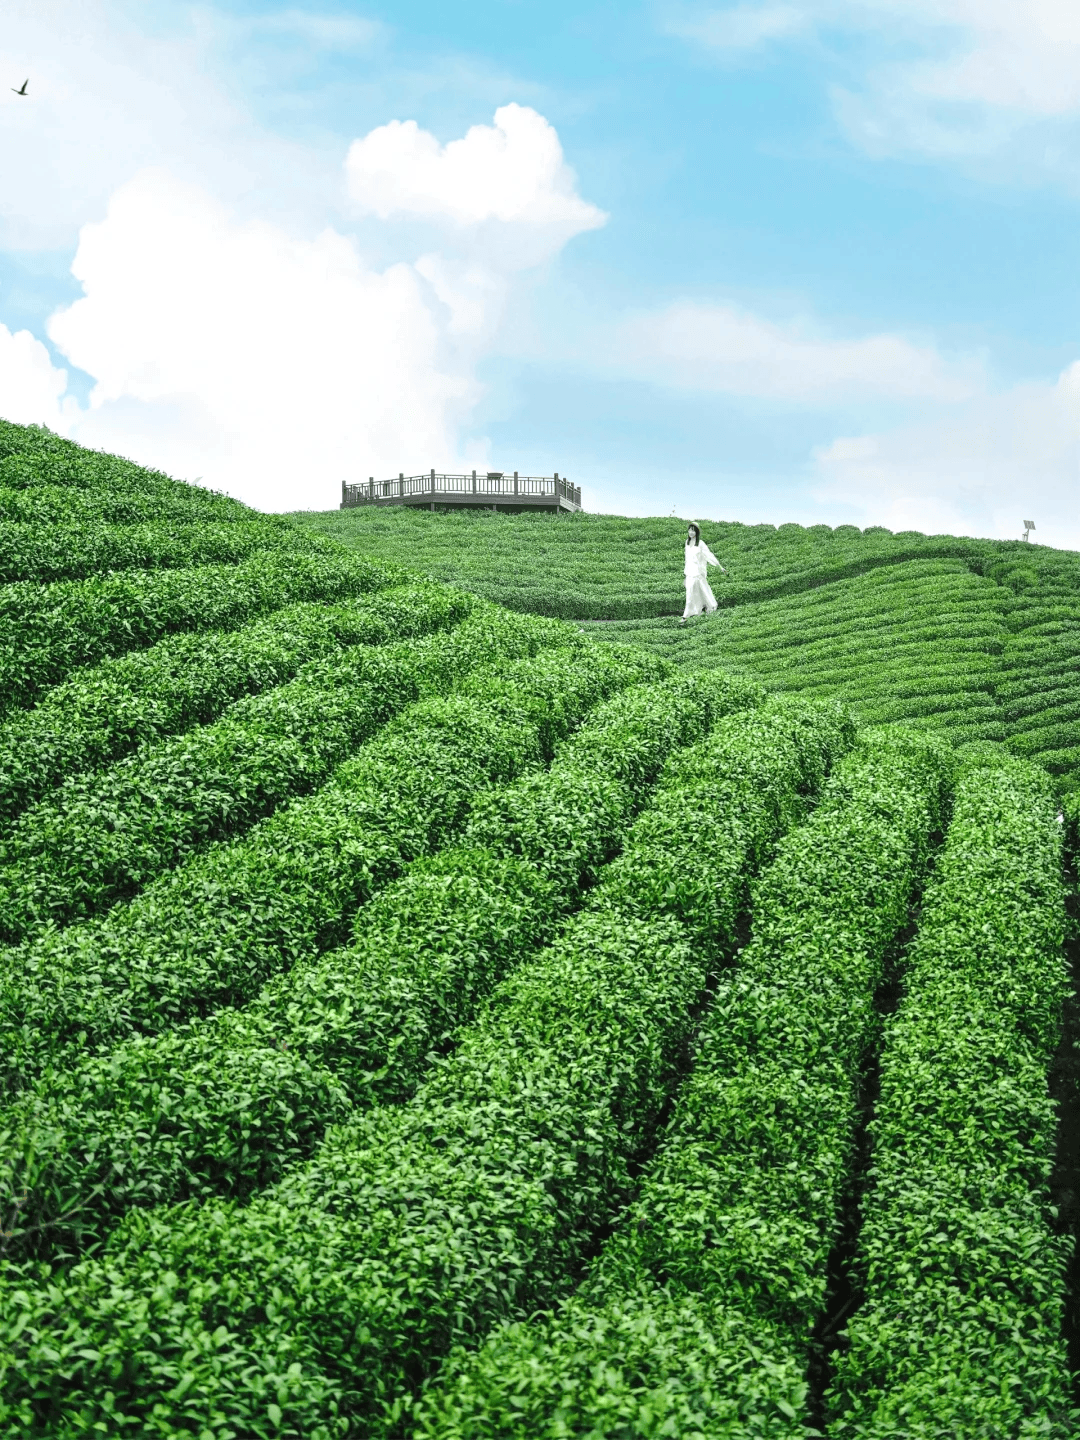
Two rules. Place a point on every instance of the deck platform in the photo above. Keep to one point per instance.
(490, 490)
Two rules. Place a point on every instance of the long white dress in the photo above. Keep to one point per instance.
(699, 596)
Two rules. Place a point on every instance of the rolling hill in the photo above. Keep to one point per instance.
(425, 1018)
(981, 637)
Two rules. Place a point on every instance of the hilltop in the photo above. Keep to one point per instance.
(980, 637)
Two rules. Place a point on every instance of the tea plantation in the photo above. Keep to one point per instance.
(980, 636)
(441, 997)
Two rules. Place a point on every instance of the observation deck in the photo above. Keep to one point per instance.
(480, 490)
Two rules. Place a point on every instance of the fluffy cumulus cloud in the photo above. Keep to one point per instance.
(510, 176)
(265, 362)
(274, 365)
(980, 468)
(31, 387)
(720, 348)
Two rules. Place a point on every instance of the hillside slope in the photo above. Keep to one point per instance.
(979, 636)
(418, 1019)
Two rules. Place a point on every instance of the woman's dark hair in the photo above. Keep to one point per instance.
(697, 531)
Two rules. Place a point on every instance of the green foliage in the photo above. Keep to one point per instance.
(415, 1226)
(71, 552)
(47, 479)
(608, 567)
(48, 630)
(649, 1365)
(959, 1333)
(102, 837)
(210, 932)
(226, 1104)
(570, 823)
(100, 714)
(376, 985)
(917, 641)
(122, 504)
(1070, 809)
(1014, 575)
(679, 865)
(976, 636)
(722, 1259)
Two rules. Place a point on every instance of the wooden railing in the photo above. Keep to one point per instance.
(477, 488)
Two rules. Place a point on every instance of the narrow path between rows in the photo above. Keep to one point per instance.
(845, 1293)
(1065, 1089)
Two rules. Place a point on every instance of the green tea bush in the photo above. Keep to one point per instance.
(970, 635)
(226, 1104)
(73, 552)
(46, 631)
(609, 567)
(46, 471)
(398, 1041)
(420, 1224)
(962, 1271)
(211, 932)
(100, 714)
(123, 505)
(702, 1303)
(102, 837)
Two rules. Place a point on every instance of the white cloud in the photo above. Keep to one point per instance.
(719, 348)
(31, 387)
(979, 469)
(269, 365)
(109, 97)
(978, 76)
(1019, 54)
(511, 174)
(473, 293)
(273, 365)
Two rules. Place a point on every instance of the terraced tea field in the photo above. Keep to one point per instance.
(424, 1016)
(979, 636)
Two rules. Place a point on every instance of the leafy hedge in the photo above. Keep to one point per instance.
(102, 837)
(697, 1316)
(610, 567)
(959, 1333)
(45, 504)
(42, 467)
(46, 631)
(1070, 812)
(417, 1225)
(98, 715)
(211, 932)
(92, 547)
(227, 1104)
(914, 640)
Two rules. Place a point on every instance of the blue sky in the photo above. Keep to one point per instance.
(772, 261)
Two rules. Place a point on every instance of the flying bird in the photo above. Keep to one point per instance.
(22, 91)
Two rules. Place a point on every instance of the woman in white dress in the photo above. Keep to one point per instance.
(699, 557)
